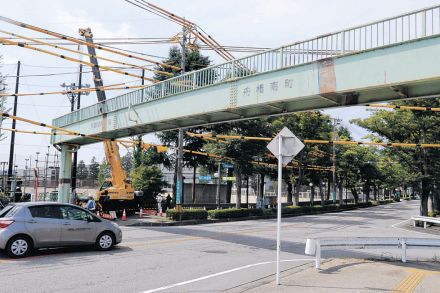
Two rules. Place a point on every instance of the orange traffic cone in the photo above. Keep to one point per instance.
(124, 216)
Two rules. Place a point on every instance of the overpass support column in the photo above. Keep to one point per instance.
(65, 182)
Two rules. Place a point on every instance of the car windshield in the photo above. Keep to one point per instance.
(9, 211)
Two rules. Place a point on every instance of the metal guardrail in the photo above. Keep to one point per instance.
(314, 246)
(390, 31)
(424, 220)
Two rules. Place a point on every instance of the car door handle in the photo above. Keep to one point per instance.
(31, 222)
(66, 224)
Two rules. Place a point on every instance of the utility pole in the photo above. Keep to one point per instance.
(75, 96)
(25, 176)
(219, 175)
(3, 174)
(45, 172)
(14, 182)
(335, 122)
(37, 174)
(78, 106)
(12, 145)
(179, 185)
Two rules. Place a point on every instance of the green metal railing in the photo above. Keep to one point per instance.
(391, 31)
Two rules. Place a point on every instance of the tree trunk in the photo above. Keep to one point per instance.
(193, 191)
(261, 189)
(312, 196)
(289, 190)
(436, 198)
(247, 192)
(355, 195)
(424, 199)
(340, 193)
(238, 184)
(328, 190)
(296, 194)
(375, 192)
(367, 194)
(229, 187)
(321, 193)
(298, 187)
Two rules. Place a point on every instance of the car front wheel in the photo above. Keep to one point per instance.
(19, 246)
(105, 241)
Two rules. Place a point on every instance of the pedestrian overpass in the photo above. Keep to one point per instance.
(391, 59)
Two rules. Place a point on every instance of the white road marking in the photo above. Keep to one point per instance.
(221, 273)
(407, 230)
(397, 224)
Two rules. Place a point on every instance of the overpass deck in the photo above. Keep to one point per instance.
(390, 59)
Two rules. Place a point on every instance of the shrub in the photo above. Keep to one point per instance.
(433, 214)
(365, 204)
(195, 214)
(256, 212)
(291, 210)
(234, 213)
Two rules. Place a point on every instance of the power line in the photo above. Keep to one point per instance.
(75, 91)
(84, 54)
(2, 40)
(316, 141)
(396, 107)
(80, 42)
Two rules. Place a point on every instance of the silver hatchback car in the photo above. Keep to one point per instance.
(34, 225)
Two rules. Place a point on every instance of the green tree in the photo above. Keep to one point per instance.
(421, 165)
(127, 162)
(93, 169)
(104, 172)
(82, 172)
(307, 125)
(147, 178)
(243, 152)
(194, 61)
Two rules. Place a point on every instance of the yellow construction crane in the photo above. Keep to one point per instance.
(117, 192)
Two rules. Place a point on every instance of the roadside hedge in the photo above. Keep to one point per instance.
(235, 213)
(193, 214)
(198, 214)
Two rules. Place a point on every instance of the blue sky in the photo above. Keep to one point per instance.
(240, 23)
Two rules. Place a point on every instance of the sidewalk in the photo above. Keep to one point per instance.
(150, 220)
(353, 275)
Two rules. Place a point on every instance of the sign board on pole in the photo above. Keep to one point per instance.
(205, 178)
(228, 178)
(285, 146)
(291, 145)
(228, 166)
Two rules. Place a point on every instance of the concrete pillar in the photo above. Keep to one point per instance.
(64, 184)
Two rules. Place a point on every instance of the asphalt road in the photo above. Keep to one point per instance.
(206, 258)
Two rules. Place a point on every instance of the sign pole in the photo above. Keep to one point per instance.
(285, 146)
(280, 175)
(217, 195)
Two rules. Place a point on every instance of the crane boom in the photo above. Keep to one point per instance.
(116, 193)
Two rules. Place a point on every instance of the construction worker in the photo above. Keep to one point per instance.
(91, 206)
(159, 200)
